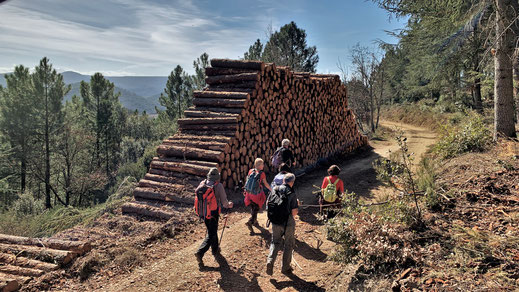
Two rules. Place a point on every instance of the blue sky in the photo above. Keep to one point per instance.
(144, 37)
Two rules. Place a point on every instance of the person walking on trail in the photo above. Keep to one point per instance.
(283, 155)
(255, 188)
(278, 179)
(331, 190)
(282, 207)
(210, 196)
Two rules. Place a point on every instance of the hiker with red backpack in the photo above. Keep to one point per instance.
(255, 192)
(283, 155)
(331, 190)
(282, 207)
(210, 196)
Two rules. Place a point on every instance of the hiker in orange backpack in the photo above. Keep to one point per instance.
(210, 196)
(331, 190)
(255, 192)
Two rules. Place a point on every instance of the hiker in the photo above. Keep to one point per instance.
(282, 207)
(331, 190)
(278, 179)
(283, 155)
(255, 192)
(210, 196)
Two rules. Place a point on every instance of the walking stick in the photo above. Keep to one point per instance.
(224, 224)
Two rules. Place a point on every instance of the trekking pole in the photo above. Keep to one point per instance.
(224, 224)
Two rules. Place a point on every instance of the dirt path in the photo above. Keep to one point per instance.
(244, 269)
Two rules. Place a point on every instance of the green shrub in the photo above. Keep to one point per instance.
(470, 136)
(26, 204)
(426, 182)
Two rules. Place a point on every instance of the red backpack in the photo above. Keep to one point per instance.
(206, 205)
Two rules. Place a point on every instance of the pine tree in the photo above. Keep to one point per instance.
(49, 90)
(288, 47)
(255, 51)
(17, 109)
(176, 93)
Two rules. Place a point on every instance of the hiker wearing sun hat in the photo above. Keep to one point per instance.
(210, 196)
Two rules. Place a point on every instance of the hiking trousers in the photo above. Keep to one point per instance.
(280, 232)
(211, 238)
(254, 209)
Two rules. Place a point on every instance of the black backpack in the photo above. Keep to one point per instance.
(277, 205)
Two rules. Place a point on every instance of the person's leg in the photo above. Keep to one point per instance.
(213, 234)
(207, 240)
(254, 213)
(289, 244)
(275, 244)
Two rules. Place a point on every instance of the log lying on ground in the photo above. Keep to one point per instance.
(159, 195)
(233, 103)
(9, 285)
(79, 247)
(147, 210)
(176, 188)
(238, 64)
(181, 167)
(61, 257)
(15, 270)
(20, 279)
(221, 79)
(27, 263)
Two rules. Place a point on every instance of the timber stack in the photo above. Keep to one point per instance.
(244, 112)
(25, 258)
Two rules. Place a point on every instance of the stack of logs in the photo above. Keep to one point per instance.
(245, 111)
(24, 258)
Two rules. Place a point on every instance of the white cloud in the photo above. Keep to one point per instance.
(160, 37)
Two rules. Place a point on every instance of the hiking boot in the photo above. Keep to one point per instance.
(256, 223)
(249, 225)
(270, 269)
(288, 272)
(199, 260)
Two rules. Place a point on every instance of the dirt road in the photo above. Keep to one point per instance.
(244, 268)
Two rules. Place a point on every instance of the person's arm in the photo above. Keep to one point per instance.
(264, 179)
(222, 196)
(294, 204)
(294, 212)
(340, 187)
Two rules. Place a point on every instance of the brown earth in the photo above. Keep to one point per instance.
(129, 255)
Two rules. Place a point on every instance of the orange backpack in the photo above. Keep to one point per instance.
(206, 205)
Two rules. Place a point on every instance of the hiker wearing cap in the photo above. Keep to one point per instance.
(331, 190)
(282, 207)
(283, 155)
(278, 179)
(210, 196)
(255, 192)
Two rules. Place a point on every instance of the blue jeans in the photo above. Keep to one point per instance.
(278, 233)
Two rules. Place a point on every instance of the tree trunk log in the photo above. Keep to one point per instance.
(190, 153)
(237, 78)
(79, 247)
(232, 103)
(61, 257)
(14, 270)
(238, 64)
(11, 259)
(214, 71)
(220, 94)
(9, 285)
(147, 210)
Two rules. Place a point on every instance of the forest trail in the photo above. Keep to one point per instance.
(244, 268)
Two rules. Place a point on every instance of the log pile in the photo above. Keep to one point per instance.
(245, 112)
(24, 258)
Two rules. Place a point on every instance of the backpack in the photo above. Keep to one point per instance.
(277, 158)
(253, 183)
(277, 205)
(330, 191)
(278, 179)
(206, 205)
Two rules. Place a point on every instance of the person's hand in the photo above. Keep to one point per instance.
(298, 203)
(230, 205)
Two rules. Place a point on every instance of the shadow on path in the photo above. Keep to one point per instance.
(296, 283)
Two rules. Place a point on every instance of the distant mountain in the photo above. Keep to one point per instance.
(128, 99)
(137, 92)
